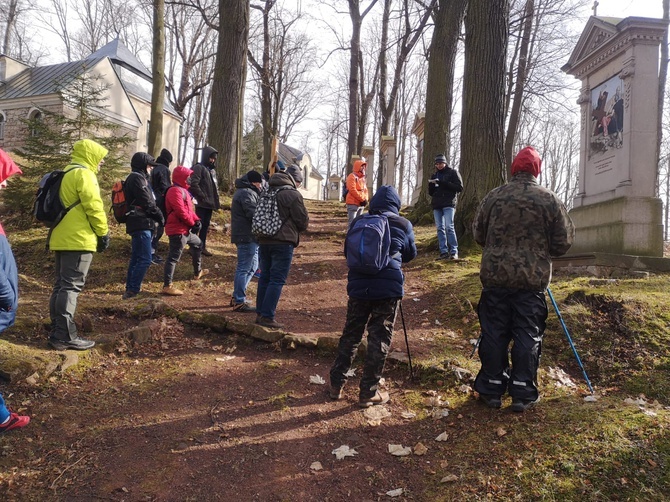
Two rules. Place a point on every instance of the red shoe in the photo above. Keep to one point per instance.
(15, 421)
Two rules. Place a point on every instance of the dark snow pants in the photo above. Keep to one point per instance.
(506, 315)
(379, 316)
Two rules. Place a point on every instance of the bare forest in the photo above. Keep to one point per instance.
(333, 77)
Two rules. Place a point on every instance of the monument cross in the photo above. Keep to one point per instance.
(595, 7)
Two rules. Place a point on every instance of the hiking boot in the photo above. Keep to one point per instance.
(521, 405)
(269, 323)
(443, 256)
(207, 252)
(335, 393)
(201, 274)
(243, 307)
(454, 256)
(172, 291)
(15, 421)
(491, 401)
(378, 398)
(76, 344)
(156, 260)
(258, 318)
(129, 294)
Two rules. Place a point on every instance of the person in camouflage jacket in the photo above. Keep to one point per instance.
(521, 226)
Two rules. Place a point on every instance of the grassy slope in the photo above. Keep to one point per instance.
(564, 450)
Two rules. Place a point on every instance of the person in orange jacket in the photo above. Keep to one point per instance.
(357, 191)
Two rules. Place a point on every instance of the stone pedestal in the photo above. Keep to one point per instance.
(334, 190)
(626, 225)
(368, 154)
(387, 160)
(615, 210)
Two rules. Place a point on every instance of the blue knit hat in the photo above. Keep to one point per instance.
(280, 166)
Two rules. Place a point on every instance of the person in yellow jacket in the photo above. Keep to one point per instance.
(82, 232)
(357, 191)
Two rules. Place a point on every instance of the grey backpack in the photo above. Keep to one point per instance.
(266, 221)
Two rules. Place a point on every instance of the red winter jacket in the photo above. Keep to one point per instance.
(179, 204)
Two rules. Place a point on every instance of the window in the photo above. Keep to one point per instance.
(36, 116)
(2, 125)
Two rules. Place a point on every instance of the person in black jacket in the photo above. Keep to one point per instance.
(205, 190)
(444, 186)
(373, 303)
(242, 209)
(142, 219)
(160, 182)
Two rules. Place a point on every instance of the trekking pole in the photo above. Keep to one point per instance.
(474, 349)
(565, 330)
(409, 355)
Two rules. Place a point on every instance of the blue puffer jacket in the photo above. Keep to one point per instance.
(389, 282)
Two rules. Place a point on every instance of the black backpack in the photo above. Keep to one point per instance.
(48, 207)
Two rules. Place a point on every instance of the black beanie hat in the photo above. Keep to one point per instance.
(254, 177)
(165, 155)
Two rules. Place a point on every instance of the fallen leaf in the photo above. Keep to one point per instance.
(344, 451)
(376, 413)
(408, 414)
(519, 463)
(450, 478)
(395, 493)
(501, 431)
(317, 379)
(316, 466)
(350, 373)
(225, 358)
(651, 462)
(442, 437)
(369, 468)
(420, 449)
(591, 398)
(399, 450)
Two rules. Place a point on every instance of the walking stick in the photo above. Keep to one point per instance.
(409, 355)
(474, 349)
(565, 330)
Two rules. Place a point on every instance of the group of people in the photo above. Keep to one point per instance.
(521, 226)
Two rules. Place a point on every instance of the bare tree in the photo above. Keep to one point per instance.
(225, 119)
(158, 85)
(354, 76)
(482, 126)
(439, 87)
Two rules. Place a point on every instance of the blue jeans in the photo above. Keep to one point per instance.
(275, 262)
(446, 235)
(140, 260)
(247, 263)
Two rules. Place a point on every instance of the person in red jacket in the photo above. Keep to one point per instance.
(182, 227)
(357, 191)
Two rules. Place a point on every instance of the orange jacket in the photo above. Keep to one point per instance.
(358, 190)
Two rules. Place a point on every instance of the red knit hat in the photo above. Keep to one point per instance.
(527, 161)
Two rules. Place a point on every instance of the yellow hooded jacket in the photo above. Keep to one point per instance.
(81, 226)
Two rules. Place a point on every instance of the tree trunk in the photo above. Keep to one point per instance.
(154, 142)
(439, 88)
(520, 83)
(482, 126)
(224, 118)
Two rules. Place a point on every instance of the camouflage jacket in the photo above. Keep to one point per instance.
(521, 226)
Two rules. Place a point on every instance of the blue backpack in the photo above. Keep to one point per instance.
(368, 243)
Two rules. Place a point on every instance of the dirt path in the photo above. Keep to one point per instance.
(200, 416)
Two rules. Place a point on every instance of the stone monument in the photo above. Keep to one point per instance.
(616, 210)
(387, 160)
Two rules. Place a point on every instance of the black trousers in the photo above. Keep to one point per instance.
(379, 317)
(505, 315)
(205, 216)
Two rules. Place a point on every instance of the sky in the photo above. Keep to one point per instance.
(628, 8)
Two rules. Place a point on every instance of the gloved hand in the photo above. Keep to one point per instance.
(197, 226)
(364, 203)
(103, 242)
